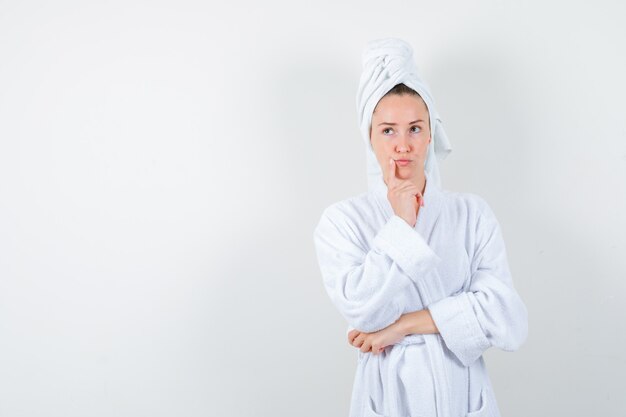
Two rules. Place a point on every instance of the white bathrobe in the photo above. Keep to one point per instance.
(376, 267)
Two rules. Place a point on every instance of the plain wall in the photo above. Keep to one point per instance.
(163, 166)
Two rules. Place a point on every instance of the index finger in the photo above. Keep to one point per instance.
(391, 172)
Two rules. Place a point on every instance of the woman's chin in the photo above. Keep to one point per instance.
(405, 172)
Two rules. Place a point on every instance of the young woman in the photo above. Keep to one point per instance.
(419, 273)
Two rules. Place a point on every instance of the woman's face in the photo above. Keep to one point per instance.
(400, 130)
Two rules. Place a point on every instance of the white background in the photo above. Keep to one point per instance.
(163, 165)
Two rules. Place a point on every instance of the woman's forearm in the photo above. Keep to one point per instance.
(417, 322)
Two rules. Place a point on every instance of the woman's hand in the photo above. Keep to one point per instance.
(376, 342)
(405, 197)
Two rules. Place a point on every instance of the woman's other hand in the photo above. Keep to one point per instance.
(376, 342)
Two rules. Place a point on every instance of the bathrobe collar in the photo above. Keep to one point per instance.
(427, 215)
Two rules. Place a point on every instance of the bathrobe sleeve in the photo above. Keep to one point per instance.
(490, 313)
(364, 279)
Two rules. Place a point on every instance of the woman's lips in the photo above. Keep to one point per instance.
(403, 162)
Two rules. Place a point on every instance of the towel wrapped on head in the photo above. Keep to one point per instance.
(387, 62)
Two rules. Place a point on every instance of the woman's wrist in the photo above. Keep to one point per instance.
(416, 322)
(405, 323)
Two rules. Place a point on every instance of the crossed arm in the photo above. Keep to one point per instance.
(363, 283)
(419, 321)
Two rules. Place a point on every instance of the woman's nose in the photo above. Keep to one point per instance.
(403, 145)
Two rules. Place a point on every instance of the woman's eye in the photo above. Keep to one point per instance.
(385, 130)
(416, 127)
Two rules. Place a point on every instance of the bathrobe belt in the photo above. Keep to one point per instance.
(435, 355)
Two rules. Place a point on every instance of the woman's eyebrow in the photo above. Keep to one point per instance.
(393, 124)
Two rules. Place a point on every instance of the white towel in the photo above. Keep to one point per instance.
(387, 62)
